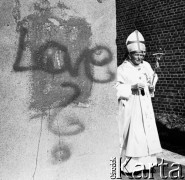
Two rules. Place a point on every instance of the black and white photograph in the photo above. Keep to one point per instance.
(92, 89)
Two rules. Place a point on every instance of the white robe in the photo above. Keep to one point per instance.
(137, 127)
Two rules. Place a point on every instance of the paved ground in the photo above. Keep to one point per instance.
(171, 156)
(166, 171)
(161, 173)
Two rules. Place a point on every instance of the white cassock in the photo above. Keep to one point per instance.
(138, 133)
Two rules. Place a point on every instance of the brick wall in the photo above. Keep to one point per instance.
(162, 24)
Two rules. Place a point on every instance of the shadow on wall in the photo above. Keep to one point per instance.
(171, 139)
(57, 54)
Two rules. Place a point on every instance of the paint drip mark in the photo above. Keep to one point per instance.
(16, 11)
(60, 153)
(38, 147)
(59, 143)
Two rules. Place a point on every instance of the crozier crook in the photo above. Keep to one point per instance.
(158, 56)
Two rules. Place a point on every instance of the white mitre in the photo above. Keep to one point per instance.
(135, 42)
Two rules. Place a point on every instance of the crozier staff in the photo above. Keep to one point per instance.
(137, 127)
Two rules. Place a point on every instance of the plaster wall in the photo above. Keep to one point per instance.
(58, 105)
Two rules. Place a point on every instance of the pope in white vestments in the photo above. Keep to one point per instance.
(138, 133)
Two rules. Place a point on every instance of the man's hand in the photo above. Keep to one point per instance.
(151, 87)
(138, 86)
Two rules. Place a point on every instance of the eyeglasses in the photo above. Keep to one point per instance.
(136, 54)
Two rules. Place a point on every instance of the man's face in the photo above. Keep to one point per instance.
(137, 57)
